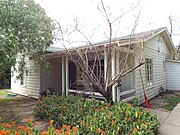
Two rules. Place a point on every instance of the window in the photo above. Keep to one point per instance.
(149, 71)
(23, 80)
(164, 64)
(98, 69)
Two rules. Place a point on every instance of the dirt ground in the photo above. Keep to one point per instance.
(18, 109)
(160, 101)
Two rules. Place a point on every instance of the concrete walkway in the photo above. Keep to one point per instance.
(170, 121)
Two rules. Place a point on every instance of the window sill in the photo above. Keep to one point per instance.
(24, 86)
(149, 87)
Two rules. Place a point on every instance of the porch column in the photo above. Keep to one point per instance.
(67, 75)
(113, 72)
(105, 64)
(63, 76)
(117, 72)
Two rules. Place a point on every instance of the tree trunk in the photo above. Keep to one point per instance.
(107, 94)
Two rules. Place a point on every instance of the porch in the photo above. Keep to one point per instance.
(66, 78)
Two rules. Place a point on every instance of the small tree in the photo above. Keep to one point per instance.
(25, 30)
(94, 60)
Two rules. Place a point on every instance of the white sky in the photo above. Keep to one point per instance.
(154, 14)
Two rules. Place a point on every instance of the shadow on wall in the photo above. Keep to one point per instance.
(5, 80)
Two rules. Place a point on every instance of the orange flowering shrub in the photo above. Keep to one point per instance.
(73, 113)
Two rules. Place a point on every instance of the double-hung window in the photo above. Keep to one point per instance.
(149, 71)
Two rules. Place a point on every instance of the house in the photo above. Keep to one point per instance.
(155, 47)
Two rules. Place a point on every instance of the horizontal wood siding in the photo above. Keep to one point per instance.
(154, 49)
(173, 75)
(32, 82)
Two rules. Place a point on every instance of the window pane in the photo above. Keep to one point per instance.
(148, 71)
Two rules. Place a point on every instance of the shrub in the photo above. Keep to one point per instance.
(96, 117)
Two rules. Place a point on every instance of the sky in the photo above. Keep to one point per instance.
(149, 14)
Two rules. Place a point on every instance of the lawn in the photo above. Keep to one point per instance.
(4, 92)
(3, 99)
(172, 102)
(165, 101)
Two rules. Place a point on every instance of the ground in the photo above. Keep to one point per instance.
(165, 101)
(20, 108)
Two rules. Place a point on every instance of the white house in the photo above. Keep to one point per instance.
(155, 47)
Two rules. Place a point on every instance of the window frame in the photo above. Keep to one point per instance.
(23, 80)
(149, 72)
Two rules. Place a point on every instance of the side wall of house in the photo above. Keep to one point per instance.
(155, 49)
(31, 86)
(173, 75)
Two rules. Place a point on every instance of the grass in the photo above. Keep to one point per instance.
(172, 102)
(4, 93)
(4, 101)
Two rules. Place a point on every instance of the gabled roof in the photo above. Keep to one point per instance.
(124, 40)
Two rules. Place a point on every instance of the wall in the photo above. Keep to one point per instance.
(155, 49)
(31, 85)
(173, 75)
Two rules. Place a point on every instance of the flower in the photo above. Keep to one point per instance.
(29, 120)
(64, 107)
(21, 128)
(44, 133)
(7, 126)
(28, 130)
(51, 122)
(18, 133)
(13, 123)
(98, 130)
(96, 109)
(110, 113)
(61, 130)
(113, 122)
(61, 115)
(103, 132)
(75, 129)
(68, 127)
(135, 130)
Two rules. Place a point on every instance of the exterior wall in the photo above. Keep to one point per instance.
(54, 78)
(31, 85)
(173, 75)
(155, 49)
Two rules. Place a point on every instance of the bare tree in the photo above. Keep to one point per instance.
(101, 66)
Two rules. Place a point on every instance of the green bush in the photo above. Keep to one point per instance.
(96, 117)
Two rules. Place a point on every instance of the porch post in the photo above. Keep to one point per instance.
(63, 77)
(67, 75)
(117, 72)
(105, 64)
(113, 68)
